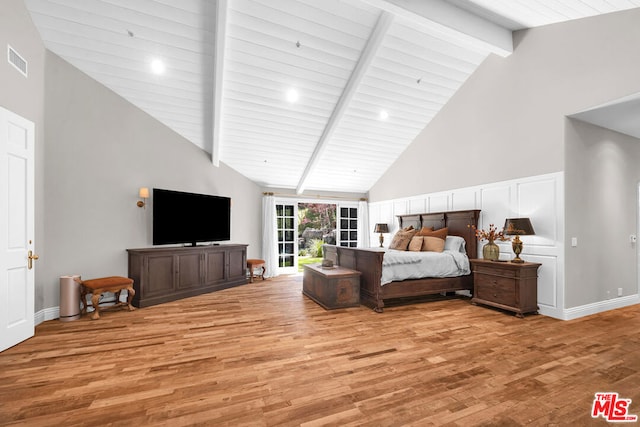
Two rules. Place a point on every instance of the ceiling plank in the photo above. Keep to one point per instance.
(218, 75)
(454, 21)
(367, 56)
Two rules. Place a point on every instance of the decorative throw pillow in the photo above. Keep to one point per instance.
(441, 233)
(409, 228)
(415, 244)
(424, 231)
(401, 240)
(432, 244)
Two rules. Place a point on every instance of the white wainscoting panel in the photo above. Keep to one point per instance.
(464, 199)
(417, 205)
(535, 200)
(399, 208)
(495, 202)
(547, 280)
(439, 203)
(540, 198)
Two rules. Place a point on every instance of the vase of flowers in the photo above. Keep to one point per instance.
(490, 250)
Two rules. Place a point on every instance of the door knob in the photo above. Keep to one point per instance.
(31, 257)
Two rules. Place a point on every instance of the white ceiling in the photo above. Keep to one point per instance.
(230, 64)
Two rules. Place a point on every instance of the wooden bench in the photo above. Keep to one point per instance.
(97, 287)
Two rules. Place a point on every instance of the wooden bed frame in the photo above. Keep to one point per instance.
(369, 261)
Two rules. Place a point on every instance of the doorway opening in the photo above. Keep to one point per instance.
(303, 226)
(316, 226)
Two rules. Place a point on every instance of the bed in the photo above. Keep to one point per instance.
(369, 261)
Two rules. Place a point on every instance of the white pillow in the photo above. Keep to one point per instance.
(455, 243)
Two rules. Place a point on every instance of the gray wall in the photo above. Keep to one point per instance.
(25, 97)
(100, 149)
(601, 208)
(507, 120)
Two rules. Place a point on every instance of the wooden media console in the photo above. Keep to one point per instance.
(166, 274)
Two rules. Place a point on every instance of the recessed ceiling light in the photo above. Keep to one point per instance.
(157, 66)
(292, 95)
(383, 115)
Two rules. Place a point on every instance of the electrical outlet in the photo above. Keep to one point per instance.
(619, 292)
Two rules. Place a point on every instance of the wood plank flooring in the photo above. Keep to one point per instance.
(264, 355)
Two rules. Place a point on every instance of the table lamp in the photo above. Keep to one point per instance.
(517, 227)
(381, 228)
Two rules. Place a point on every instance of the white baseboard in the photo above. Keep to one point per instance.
(599, 307)
(50, 313)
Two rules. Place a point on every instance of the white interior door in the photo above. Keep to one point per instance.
(16, 229)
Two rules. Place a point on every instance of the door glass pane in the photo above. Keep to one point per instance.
(348, 227)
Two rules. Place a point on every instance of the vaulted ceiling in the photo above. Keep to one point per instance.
(300, 94)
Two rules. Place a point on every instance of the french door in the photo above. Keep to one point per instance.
(287, 218)
(16, 229)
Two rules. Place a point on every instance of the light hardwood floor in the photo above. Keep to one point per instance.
(264, 355)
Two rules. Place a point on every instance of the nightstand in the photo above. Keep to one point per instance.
(506, 285)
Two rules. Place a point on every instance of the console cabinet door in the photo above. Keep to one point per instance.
(159, 275)
(237, 264)
(215, 267)
(189, 271)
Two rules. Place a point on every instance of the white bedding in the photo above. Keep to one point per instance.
(402, 265)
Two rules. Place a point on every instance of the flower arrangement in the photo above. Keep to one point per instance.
(490, 235)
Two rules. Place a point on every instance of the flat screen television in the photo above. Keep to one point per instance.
(190, 218)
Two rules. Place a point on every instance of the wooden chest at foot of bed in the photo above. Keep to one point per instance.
(336, 287)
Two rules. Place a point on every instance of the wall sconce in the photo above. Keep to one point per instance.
(381, 228)
(518, 227)
(143, 193)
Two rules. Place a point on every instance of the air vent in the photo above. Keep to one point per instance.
(16, 60)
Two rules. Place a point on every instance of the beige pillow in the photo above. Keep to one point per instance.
(432, 244)
(401, 240)
(415, 244)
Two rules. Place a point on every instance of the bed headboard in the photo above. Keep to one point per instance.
(459, 223)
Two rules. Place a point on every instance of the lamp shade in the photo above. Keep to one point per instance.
(518, 227)
(381, 228)
(144, 192)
